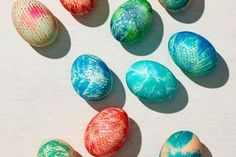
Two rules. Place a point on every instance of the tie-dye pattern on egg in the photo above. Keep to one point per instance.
(56, 148)
(182, 144)
(34, 22)
(151, 81)
(131, 21)
(91, 78)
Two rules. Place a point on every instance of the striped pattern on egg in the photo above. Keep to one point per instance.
(34, 22)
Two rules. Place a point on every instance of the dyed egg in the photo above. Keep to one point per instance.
(151, 81)
(175, 5)
(78, 7)
(56, 148)
(182, 144)
(131, 21)
(34, 22)
(91, 78)
(192, 53)
(107, 132)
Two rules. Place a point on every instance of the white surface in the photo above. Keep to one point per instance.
(38, 102)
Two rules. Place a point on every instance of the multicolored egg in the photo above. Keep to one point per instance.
(107, 132)
(91, 78)
(175, 5)
(34, 22)
(56, 148)
(193, 54)
(78, 7)
(182, 144)
(151, 81)
(131, 21)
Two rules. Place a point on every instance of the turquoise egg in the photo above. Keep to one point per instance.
(182, 144)
(91, 78)
(194, 54)
(151, 81)
(175, 5)
(131, 21)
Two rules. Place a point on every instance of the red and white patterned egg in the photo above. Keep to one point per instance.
(78, 7)
(107, 132)
(34, 22)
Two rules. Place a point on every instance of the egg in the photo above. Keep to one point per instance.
(54, 148)
(175, 5)
(151, 81)
(107, 132)
(34, 22)
(78, 7)
(194, 54)
(182, 144)
(91, 78)
(131, 21)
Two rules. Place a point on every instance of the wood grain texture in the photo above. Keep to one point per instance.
(38, 101)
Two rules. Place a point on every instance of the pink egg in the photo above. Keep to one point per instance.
(78, 7)
(107, 132)
(34, 22)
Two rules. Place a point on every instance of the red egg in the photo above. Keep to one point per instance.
(107, 132)
(78, 7)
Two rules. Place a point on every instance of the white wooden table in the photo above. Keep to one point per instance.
(37, 101)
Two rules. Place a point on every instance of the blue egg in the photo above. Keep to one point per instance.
(91, 78)
(182, 144)
(194, 54)
(175, 5)
(151, 81)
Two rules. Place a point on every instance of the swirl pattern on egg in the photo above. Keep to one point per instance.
(151, 81)
(194, 54)
(54, 148)
(91, 78)
(182, 144)
(131, 21)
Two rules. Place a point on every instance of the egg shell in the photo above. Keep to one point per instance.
(182, 144)
(175, 5)
(107, 132)
(91, 78)
(194, 54)
(78, 7)
(55, 148)
(151, 81)
(34, 22)
(131, 21)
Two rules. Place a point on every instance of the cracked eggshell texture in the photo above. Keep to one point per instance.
(175, 5)
(91, 78)
(182, 144)
(78, 7)
(151, 81)
(34, 22)
(131, 21)
(55, 148)
(107, 132)
(193, 54)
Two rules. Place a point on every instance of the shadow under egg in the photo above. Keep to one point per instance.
(97, 16)
(116, 97)
(191, 14)
(175, 104)
(60, 47)
(205, 151)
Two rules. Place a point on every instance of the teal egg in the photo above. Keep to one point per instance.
(175, 5)
(151, 81)
(182, 144)
(131, 21)
(194, 54)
